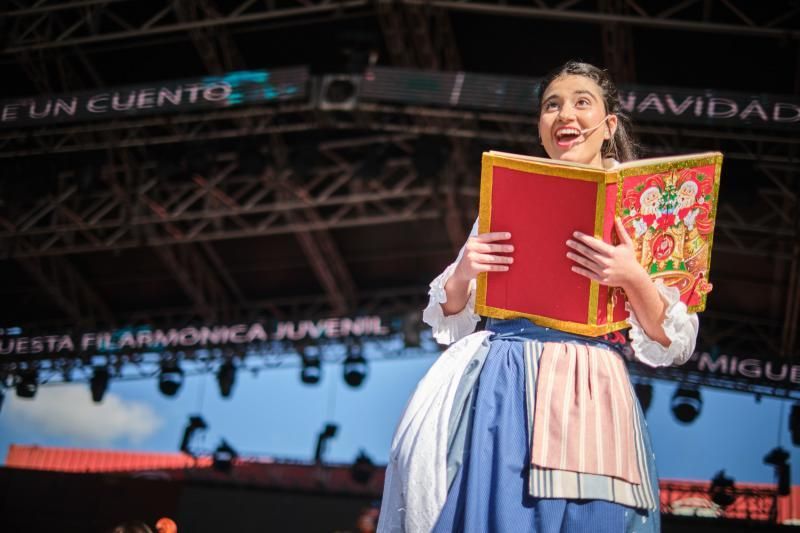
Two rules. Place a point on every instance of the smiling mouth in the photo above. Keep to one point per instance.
(566, 137)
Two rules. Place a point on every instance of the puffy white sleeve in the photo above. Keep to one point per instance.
(449, 329)
(680, 326)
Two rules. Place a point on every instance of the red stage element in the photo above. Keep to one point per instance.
(678, 497)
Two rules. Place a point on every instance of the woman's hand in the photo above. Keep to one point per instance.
(483, 253)
(615, 266)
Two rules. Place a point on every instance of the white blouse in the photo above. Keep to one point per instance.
(680, 326)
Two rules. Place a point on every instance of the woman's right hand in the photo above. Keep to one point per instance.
(484, 253)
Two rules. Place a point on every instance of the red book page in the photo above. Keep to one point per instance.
(541, 212)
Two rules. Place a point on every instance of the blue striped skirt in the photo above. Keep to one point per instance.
(489, 454)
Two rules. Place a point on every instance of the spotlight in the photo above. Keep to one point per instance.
(339, 92)
(686, 404)
(224, 456)
(779, 459)
(226, 377)
(722, 490)
(362, 469)
(355, 366)
(794, 424)
(311, 371)
(322, 441)
(196, 423)
(98, 383)
(27, 383)
(171, 378)
(644, 392)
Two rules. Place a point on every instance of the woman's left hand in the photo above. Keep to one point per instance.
(615, 266)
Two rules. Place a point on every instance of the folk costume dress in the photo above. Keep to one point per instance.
(521, 428)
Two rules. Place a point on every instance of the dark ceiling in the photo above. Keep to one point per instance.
(724, 46)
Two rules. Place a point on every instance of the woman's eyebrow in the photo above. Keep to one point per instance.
(584, 91)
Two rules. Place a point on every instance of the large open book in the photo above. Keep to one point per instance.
(667, 205)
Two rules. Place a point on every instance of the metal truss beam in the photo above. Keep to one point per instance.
(82, 22)
(248, 206)
(214, 44)
(385, 303)
(421, 36)
(418, 35)
(186, 262)
(204, 280)
(678, 17)
(618, 48)
(318, 246)
(68, 289)
(764, 147)
(96, 22)
(197, 280)
(251, 208)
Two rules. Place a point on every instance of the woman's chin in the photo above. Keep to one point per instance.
(574, 157)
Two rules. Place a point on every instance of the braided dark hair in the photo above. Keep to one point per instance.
(622, 145)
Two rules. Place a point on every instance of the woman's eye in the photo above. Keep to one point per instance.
(583, 102)
(551, 105)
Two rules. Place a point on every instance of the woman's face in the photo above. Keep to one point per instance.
(570, 105)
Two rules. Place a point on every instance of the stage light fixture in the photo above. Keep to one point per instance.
(355, 366)
(98, 383)
(311, 371)
(171, 377)
(686, 404)
(794, 424)
(226, 378)
(196, 423)
(778, 458)
(644, 392)
(310, 359)
(722, 490)
(223, 457)
(362, 469)
(339, 92)
(322, 441)
(27, 383)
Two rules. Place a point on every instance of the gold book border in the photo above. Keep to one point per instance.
(484, 222)
(712, 158)
(717, 175)
(594, 287)
(589, 330)
(598, 177)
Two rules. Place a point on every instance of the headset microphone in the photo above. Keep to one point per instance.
(587, 130)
